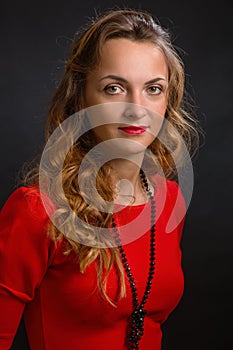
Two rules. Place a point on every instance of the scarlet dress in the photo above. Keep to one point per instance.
(62, 307)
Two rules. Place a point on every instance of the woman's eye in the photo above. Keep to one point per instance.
(112, 89)
(155, 90)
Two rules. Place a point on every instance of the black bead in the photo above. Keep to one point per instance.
(118, 241)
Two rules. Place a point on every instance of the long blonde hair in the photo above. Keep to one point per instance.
(69, 98)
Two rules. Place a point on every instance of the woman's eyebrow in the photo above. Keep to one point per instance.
(155, 80)
(116, 77)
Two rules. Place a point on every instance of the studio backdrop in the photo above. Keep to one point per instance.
(35, 38)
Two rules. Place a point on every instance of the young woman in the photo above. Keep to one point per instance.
(83, 276)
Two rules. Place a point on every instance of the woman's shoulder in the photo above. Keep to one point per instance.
(24, 195)
(171, 199)
(24, 224)
(170, 187)
(25, 202)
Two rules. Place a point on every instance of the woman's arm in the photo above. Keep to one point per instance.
(25, 254)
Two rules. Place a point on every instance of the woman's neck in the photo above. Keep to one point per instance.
(127, 183)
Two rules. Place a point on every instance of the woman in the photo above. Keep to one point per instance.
(111, 280)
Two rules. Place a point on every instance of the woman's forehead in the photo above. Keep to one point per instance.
(127, 57)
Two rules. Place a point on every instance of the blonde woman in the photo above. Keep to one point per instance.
(110, 281)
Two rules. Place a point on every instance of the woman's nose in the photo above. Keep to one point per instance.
(134, 111)
(136, 106)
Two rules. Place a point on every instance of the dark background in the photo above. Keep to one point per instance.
(34, 42)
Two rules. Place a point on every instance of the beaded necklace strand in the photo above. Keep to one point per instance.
(136, 324)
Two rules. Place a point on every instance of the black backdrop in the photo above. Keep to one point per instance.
(34, 39)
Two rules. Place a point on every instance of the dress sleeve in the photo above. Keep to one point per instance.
(25, 254)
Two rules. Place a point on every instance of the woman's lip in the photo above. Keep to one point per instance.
(135, 130)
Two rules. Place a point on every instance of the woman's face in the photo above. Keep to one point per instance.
(135, 74)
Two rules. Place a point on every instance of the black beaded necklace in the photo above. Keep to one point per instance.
(136, 325)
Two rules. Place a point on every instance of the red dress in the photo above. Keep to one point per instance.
(62, 307)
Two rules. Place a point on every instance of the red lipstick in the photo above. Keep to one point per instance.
(134, 130)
